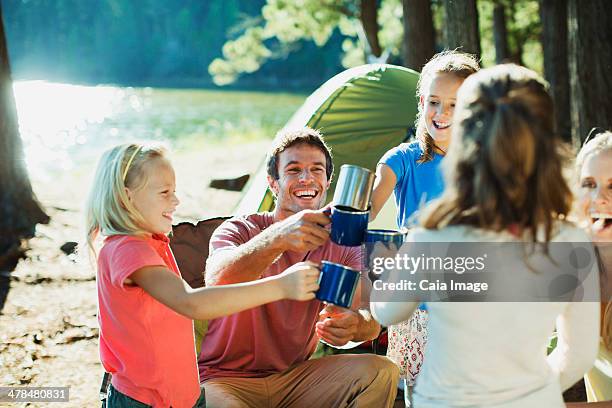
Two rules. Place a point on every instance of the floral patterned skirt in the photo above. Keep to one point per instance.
(407, 345)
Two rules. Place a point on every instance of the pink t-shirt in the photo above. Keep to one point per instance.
(147, 347)
(270, 338)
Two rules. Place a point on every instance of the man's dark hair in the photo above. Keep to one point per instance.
(291, 138)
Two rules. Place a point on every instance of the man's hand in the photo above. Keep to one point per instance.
(337, 325)
(303, 231)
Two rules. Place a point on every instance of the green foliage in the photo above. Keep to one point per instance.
(523, 28)
(291, 21)
(248, 51)
(552, 343)
(526, 29)
(391, 31)
(286, 23)
(181, 42)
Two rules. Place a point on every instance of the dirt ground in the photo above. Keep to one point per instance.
(48, 328)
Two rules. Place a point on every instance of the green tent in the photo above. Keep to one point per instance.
(362, 112)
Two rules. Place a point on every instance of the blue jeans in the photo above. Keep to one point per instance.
(115, 399)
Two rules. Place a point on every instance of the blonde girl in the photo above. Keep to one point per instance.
(145, 310)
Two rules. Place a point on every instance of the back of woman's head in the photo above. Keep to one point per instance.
(504, 166)
(109, 210)
(452, 62)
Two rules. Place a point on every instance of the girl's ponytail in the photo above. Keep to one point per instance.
(427, 145)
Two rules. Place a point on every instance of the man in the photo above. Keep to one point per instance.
(260, 357)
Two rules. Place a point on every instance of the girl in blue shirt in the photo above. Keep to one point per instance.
(412, 171)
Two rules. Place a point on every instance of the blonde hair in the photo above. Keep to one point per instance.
(109, 210)
(504, 166)
(599, 144)
(451, 62)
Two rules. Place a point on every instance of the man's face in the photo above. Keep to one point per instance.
(302, 182)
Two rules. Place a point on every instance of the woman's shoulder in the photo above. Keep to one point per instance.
(563, 231)
(451, 233)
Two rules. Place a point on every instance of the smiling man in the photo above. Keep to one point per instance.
(260, 357)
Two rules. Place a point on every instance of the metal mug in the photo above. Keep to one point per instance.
(391, 238)
(354, 187)
(381, 243)
(337, 284)
(348, 226)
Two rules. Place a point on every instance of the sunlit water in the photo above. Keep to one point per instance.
(63, 126)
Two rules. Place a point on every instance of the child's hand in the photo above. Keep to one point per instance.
(300, 281)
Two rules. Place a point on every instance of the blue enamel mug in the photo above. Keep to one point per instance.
(381, 243)
(337, 284)
(392, 238)
(348, 226)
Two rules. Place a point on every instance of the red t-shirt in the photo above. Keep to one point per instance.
(147, 347)
(270, 338)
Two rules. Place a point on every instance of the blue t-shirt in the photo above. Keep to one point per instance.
(417, 183)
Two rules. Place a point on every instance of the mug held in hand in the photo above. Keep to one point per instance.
(337, 284)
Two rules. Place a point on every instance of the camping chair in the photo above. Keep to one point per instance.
(189, 244)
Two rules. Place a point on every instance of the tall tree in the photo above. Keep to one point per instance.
(553, 14)
(419, 34)
(500, 32)
(460, 25)
(20, 211)
(590, 65)
(368, 15)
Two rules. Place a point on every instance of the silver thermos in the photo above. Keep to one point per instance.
(354, 188)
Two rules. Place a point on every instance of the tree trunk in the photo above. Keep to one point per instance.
(500, 33)
(590, 65)
(553, 14)
(419, 36)
(516, 55)
(461, 26)
(368, 16)
(18, 205)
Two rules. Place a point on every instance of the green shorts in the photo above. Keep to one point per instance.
(116, 399)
